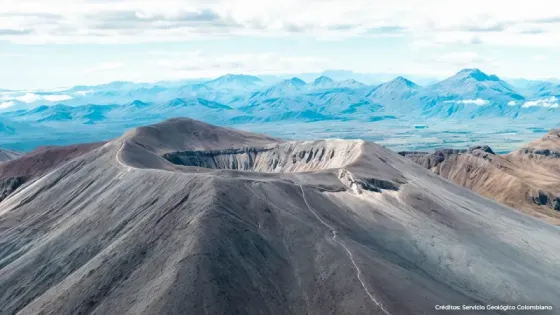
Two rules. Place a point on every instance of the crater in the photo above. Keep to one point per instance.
(287, 157)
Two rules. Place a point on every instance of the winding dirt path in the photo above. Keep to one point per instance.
(334, 234)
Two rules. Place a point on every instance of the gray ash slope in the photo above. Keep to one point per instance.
(187, 218)
(8, 155)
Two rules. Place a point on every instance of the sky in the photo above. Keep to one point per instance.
(59, 43)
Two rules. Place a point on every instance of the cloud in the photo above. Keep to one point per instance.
(28, 98)
(133, 21)
(547, 20)
(8, 104)
(127, 21)
(56, 98)
(512, 103)
(532, 31)
(477, 102)
(4, 32)
(498, 27)
(206, 20)
(394, 29)
(32, 97)
(84, 93)
(551, 102)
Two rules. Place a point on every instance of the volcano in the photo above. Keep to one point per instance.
(183, 217)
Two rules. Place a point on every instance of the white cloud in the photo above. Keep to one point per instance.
(56, 98)
(477, 102)
(8, 104)
(84, 93)
(551, 102)
(475, 21)
(512, 103)
(28, 98)
(104, 67)
(32, 97)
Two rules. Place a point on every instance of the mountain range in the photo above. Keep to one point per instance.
(182, 216)
(470, 95)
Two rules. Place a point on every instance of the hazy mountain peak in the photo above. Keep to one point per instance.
(399, 88)
(283, 88)
(472, 86)
(402, 82)
(177, 102)
(39, 109)
(469, 71)
(323, 80)
(477, 75)
(117, 85)
(234, 81)
(352, 81)
(237, 78)
(138, 103)
(296, 81)
(349, 83)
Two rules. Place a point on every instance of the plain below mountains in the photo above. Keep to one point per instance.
(527, 179)
(184, 217)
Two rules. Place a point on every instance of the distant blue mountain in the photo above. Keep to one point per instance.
(139, 104)
(285, 88)
(235, 82)
(323, 82)
(472, 84)
(243, 99)
(306, 115)
(349, 84)
(87, 114)
(7, 128)
(546, 89)
(399, 89)
(112, 86)
(12, 128)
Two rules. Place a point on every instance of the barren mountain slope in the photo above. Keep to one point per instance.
(8, 155)
(35, 164)
(186, 218)
(527, 179)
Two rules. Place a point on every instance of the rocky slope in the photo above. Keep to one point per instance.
(527, 179)
(183, 217)
(17, 172)
(8, 155)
